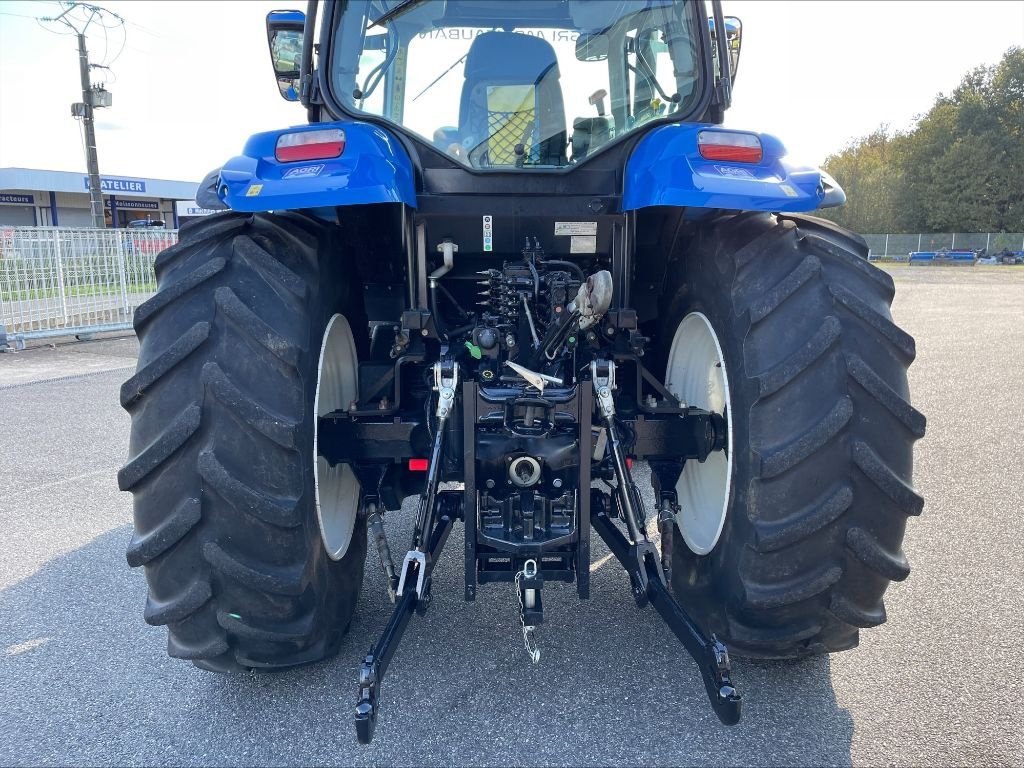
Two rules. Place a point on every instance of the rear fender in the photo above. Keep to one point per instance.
(666, 168)
(372, 168)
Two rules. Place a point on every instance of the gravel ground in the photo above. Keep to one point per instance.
(86, 682)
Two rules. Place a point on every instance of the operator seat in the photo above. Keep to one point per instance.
(511, 96)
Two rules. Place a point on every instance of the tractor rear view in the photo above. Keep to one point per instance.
(512, 253)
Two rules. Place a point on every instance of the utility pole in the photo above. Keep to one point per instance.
(92, 97)
(92, 162)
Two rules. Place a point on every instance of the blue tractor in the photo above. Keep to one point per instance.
(513, 252)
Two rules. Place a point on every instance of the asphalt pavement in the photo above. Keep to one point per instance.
(85, 681)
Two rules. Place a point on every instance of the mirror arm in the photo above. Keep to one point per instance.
(724, 87)
(307, 90)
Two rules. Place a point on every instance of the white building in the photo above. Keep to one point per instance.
(30, 197)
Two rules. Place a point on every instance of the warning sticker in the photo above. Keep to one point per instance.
(583, 244)
(488, 234)
(253, 190)
(790, 192)
(575, 228)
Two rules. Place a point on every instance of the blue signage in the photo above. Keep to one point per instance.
(139, 205)
(17, 199)
(114, 184)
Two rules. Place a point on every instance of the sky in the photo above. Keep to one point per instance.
(192, 80)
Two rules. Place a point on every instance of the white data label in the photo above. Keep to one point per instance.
(575, 228)
(583, 244)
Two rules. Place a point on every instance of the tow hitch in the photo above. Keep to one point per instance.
(536, 533)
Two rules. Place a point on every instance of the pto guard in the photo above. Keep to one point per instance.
(666, 168)
(372, 168)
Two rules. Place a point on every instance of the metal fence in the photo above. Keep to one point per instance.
(901, 246)
(57, 281)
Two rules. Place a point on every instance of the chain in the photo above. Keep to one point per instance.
(528, 639)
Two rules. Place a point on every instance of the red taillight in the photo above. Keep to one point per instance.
(418, 465)
(629, 462)
(730, 147)
(310, 145)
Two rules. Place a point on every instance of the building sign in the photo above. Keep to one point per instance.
(134, 205)
(114, 184)
(10, 199)
(191, 208)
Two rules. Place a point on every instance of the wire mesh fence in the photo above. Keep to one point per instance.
(57, 281)
(61, 281)
(898, 247)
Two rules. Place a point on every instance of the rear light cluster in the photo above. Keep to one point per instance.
(730, 147)
(310, 145)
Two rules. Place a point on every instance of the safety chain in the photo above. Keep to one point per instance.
(528, 639)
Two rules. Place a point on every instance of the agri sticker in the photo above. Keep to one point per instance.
(303, 172)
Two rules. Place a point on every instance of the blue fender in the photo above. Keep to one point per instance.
(373, 168)
(666, 168)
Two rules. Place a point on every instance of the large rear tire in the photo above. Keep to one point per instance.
(822, 435)
(222, 445)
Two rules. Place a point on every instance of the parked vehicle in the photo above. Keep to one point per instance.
(515, 250)
(943, 258)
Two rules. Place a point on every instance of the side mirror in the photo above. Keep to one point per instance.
(285, 30)
(734, 38)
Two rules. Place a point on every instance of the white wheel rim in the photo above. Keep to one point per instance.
(336, 488)
(696, 374)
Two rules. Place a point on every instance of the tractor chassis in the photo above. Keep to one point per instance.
(660, 436)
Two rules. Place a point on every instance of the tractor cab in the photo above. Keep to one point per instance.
(521, 86)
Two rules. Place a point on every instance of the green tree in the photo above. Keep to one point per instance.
(959, 169)
(871, 178)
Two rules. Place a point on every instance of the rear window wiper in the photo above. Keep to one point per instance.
(394, 13)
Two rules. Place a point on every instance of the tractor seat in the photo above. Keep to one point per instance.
(512, 100)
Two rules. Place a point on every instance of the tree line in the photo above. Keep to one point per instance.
(959, 169)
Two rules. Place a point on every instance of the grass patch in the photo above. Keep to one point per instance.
(76, 291)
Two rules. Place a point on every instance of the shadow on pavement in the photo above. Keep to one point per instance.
(85, 681)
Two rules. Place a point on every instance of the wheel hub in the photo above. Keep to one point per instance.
(336, 487)
(696, 374)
